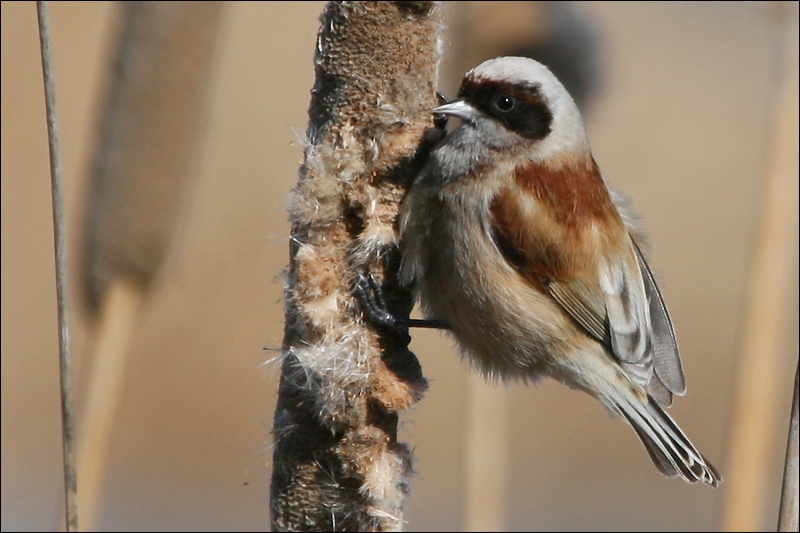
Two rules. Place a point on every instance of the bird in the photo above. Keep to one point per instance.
(511, 237)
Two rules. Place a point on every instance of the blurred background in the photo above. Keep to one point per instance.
(680, 103)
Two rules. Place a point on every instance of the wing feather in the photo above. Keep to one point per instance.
(626, 305)
(666, 358)
(585, 305)
(621, 306)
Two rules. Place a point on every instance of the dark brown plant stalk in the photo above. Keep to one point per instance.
(337, 464)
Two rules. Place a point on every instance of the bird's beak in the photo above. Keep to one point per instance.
(457, 108)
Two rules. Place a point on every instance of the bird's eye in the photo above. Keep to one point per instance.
(504, 103)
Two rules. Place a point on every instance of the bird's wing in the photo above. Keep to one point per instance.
(641, 331)
(615, 307)
(666, 358)
(627, 309)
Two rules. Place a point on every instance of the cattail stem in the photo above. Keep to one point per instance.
(144, 161)
(337, 464)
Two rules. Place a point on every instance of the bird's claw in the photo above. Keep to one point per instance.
(373, 305)
(370, 295)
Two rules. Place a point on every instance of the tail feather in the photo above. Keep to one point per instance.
(670, 449)
(665, 465)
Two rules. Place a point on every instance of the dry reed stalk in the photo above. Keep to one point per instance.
(62, 287)
(111, 343)
(151, 128)
(753, 417)
(337, 464)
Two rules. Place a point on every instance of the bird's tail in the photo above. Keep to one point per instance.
(668, 446)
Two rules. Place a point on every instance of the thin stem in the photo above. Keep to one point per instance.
(790, 494)
(62, 298)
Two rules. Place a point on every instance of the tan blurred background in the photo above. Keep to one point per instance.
(679, 121)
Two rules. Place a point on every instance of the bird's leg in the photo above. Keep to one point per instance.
(370, 295)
